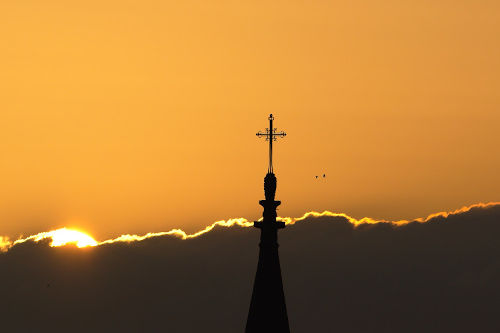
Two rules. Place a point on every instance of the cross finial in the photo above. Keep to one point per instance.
(271, 135)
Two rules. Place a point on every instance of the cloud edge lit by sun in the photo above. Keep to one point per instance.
(80, 239)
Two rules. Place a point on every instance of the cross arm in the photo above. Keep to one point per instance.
(271, 134)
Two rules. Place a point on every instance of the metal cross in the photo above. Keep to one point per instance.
(271, 135)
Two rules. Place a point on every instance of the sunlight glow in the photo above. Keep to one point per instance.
(67, 236)
(61, 237)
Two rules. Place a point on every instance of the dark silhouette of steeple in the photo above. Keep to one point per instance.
(267, 307)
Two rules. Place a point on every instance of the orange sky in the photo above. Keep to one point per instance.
(137, 116)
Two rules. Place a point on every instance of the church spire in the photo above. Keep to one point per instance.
(267, 307)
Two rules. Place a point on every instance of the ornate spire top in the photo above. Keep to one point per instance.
(271, 134)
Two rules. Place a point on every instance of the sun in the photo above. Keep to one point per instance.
(64, 236)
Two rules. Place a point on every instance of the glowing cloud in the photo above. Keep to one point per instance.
(368, 220)
(4, 243)
(64, 236)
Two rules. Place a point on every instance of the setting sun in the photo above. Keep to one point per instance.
(61, 237)
(65, 236)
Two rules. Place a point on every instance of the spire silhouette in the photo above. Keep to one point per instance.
(267, 308)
